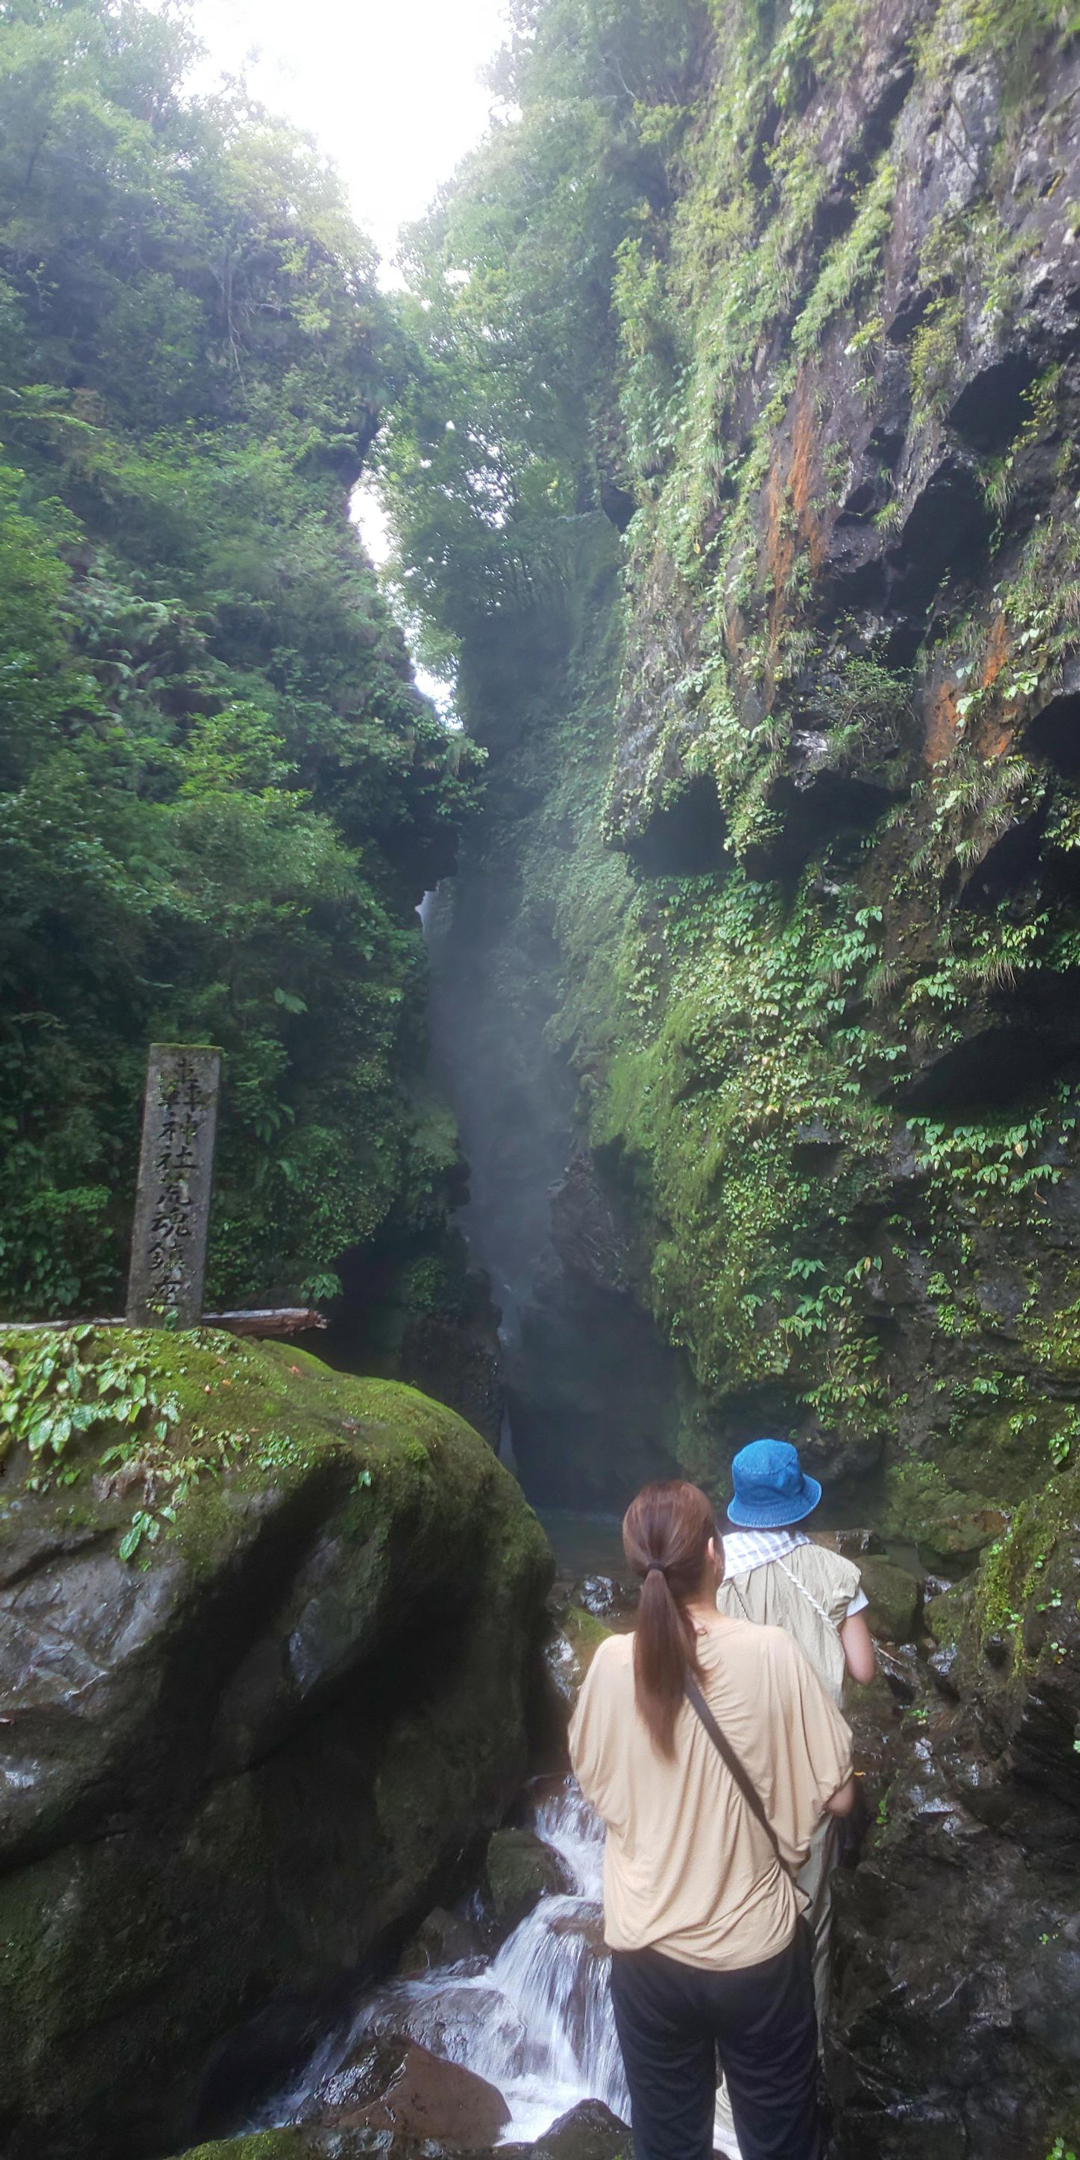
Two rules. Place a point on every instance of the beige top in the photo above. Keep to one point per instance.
(687, 1866)
(808, 1593)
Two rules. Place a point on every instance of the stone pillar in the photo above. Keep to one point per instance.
(172, 1204)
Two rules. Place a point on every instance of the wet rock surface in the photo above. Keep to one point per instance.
(958, 2007)
(387, 2084)
(443, 1938)
(588, 2132)
(613, 1601)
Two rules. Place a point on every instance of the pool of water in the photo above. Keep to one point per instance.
(586, 1544)
(591, 1544)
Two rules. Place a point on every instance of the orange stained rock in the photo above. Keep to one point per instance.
(996, 731)
(997, 650)
(802, 476)
(790, 516)
(942, 721)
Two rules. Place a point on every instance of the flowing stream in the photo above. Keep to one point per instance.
(535, 2020)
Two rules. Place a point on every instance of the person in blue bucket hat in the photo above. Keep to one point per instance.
(776, 1575)
(772, 1489)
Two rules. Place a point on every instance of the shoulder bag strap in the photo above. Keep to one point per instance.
(728, 1756)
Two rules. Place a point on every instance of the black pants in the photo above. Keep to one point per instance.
(673, 2020)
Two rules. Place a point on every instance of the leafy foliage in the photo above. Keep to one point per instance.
(509, 429)
(54, 1392)
(220, 794)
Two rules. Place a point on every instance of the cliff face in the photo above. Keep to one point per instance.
(777, 869)
(818, 996)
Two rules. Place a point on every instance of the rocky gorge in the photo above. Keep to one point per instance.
(767, 928)
(755, 991)
(727, 427)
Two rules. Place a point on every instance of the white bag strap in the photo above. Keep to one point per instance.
(822, 1611)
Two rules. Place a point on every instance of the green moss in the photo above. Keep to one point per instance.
(852, 263)
(135, 1946)
(584, 1631)
(1018, 1564)
(260, 2145)
(945, 1616)
(239, 1415)
(747, 1285)
(923, 1507)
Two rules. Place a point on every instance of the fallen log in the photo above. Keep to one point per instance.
(276, 1320)
(273, 1320)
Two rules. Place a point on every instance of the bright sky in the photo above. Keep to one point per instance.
(390, 90)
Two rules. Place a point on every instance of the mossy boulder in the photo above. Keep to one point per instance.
(584, 1633)
(572, 1637)
(261, 2145)
(893, 1592)
(949, 1524)
(264, 1639)
(521, 1870)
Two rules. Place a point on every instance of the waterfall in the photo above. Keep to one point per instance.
(536, 2021)
(505, 1449)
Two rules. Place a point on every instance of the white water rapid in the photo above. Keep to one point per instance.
(537, 2020)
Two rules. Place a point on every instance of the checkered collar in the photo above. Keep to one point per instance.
(747, 1549)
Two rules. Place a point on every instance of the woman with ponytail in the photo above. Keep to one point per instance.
(710, 1751)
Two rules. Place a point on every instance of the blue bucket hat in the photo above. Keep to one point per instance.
(770, 1487)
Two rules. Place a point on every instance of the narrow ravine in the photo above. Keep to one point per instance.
(724, 418)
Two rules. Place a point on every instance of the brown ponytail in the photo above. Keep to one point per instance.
(666, 1532)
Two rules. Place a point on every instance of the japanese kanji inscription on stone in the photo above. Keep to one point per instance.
(172, 1205)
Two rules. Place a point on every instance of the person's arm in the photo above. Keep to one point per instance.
(585, 1739)
(843, 1801)
(858, 1647)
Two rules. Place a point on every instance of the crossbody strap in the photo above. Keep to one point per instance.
(727, 1755)
(822, 1611)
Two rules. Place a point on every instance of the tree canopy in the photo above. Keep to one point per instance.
(220, 794)
(510, 421)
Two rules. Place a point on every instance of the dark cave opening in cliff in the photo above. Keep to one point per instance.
(1054, 734)
(992, 408)
(997, 1069)
(685, 836)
